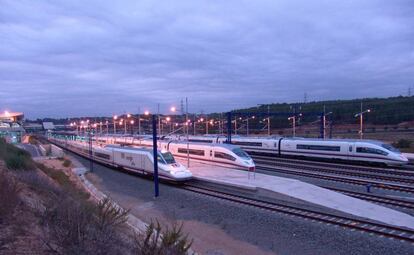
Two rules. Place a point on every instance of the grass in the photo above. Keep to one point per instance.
(15, 158)
(9, 198)
(63, 180)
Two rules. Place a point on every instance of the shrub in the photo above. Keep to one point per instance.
(9, 196)
(63, 180)
(66, 163)
(32, 140)
(60, 177)
(38, 182)
(14, 157)
(80, 227)
(403, 143)
(158, 242)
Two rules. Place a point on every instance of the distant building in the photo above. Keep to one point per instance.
(32, 127)
(11, 126)
(48, 126)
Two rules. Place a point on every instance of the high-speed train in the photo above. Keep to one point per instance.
(368, 151)
(226, 155)
(133, 159)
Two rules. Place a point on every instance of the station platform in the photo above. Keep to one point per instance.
(299, 190)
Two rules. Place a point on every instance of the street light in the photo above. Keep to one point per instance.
(186, 125)
(293, 119)
(324, 123)
(132, 126)
(115, 118)
(361, 120)
(125, 126)
(268, 118)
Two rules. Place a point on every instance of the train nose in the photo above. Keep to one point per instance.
(404, 158)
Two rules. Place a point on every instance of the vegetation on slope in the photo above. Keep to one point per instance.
(45, 212)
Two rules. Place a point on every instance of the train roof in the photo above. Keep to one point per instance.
(141, 149)
(222, 145)
(335, 140)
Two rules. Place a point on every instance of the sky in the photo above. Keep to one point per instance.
(91, 58)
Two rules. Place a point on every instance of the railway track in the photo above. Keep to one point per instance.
(356, 181)
(354, 173)
(393, 171)
(399, 233)
(376, 199)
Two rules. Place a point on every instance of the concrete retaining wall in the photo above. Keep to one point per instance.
(51, 150)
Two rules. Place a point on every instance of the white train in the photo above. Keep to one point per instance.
(369, 151)
(138, 160)
(216, 154)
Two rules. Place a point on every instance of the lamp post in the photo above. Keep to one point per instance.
(293, 124)
(125, 125)
(235, 125)
(146, 113)
(168, 119)
(268, 120)
(115, 118)
(324, 123)
(206, 125)
(361, 121)
(293, 119)
(81, 126)
(187, 126)
(155, 154)
(132, 126)
(139, 120)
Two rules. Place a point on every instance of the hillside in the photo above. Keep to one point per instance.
(384, 111)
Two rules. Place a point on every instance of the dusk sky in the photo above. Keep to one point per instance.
(88, 58)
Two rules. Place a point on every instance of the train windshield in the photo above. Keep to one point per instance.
(241, 153)
(168, 157)
(390, 148)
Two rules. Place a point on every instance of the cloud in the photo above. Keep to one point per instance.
(67, 58)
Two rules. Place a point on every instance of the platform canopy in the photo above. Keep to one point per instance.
(7, 116)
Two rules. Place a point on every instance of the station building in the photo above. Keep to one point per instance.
(11, 126)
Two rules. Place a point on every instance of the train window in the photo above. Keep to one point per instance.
(200, 141)
(318, 147)
(168, 157)
(371, 151)
(122, 155)
(390, 148)
(241, 153)
(350, 148)
(191, 151)
(223, 155)
(160, 159)
(256, 144)
(102, 155)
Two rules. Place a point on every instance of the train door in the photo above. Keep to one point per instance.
(351, 151)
